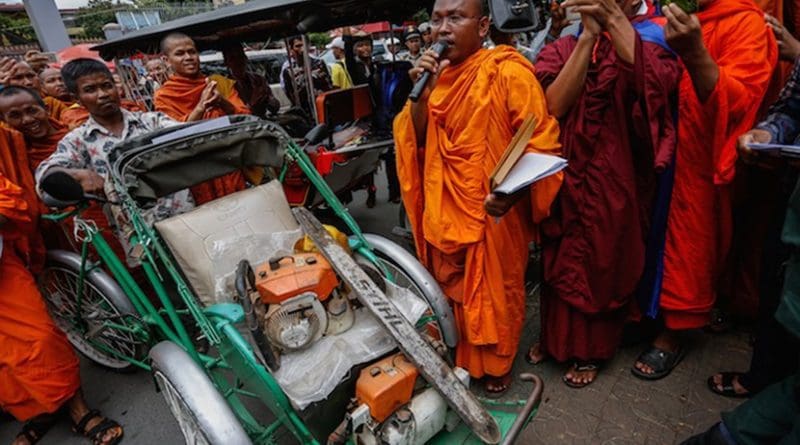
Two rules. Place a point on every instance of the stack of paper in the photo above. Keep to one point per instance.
(516, 169)
(530, 168)
(788, 151)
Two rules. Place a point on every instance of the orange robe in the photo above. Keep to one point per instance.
(177, 98)
(76, 114)
(699, 225)
(55, 107)
(480, 263)
(38, 370)
(15, 167)
(742, 275)
(41, 149)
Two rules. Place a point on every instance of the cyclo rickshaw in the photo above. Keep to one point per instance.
(258, 324)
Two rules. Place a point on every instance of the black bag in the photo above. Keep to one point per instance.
(512, 16)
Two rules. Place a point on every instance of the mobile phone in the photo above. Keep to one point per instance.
(688, 6)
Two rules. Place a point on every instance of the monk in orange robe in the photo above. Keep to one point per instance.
(39, 372)
(53, 86)
(448, 143)
(25, 111)
(190, 96)
(729, 54)
(22, 75)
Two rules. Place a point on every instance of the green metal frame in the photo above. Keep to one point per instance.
(250, 379)
(235, 372)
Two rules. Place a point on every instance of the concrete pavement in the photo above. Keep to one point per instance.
(616, 409)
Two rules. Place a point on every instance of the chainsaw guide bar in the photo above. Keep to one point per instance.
(430, 365)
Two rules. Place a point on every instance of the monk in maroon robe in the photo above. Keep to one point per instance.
(611, 88)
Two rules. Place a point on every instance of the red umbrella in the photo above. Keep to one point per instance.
(79, 51)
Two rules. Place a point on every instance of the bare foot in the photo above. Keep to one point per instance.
(580, 375)
(536, 354)
(497, 385)
(666, 341)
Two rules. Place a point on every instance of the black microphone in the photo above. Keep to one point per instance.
(439, 48)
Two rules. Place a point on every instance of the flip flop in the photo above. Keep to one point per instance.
(728, 390)
(97, 432)
(34, 429)
(581, 366)
(660, 361)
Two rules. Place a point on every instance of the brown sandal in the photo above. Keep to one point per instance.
(582, 366)
(97, 433)
(503, 383)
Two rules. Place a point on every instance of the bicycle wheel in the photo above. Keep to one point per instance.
(203, 415)
(410, 274)
(101, 302)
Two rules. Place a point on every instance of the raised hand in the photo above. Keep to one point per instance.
(682, 32)
(603, 11)
(428, 62)
(558, 20)
(788, 45)
(7, 65)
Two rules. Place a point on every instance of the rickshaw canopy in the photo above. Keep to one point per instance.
(172, 159)
(260, 21)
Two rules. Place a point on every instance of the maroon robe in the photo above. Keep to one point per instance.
(617, 135)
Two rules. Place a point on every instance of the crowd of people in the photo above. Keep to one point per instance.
(654, 108)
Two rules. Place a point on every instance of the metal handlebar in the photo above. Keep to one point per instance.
(532, 403)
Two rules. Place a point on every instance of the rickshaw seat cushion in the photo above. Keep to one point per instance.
(339, 107)
(192, 236)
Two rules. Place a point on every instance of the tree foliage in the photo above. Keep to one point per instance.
(421, 16)
(319, 39)
(95, 15)
(16, 30)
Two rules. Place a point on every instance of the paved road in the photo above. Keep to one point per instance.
(616, 409)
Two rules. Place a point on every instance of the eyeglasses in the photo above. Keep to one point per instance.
(454, 20)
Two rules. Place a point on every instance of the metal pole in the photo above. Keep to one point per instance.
(48, 24)
(309, 82)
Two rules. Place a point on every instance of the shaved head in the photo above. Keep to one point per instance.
(24, 76)
(53, 84)
(462, 24)
(171, 38)
(181, 54)
(23, 110)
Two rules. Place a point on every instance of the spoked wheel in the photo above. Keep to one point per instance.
(438, 322)
(85, 318)
(203, 415)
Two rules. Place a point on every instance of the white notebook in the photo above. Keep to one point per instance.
(530, 168)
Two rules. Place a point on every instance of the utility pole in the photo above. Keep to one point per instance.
(47, 23)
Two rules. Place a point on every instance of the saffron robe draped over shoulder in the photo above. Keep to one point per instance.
(177, 98)
(616, 136)
(14, 165)
(55, 108)
(41, 149)
(473, 112)
(699, 225)
(38, 369)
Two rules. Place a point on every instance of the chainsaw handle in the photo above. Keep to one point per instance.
(275, 262)
(533, 402)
